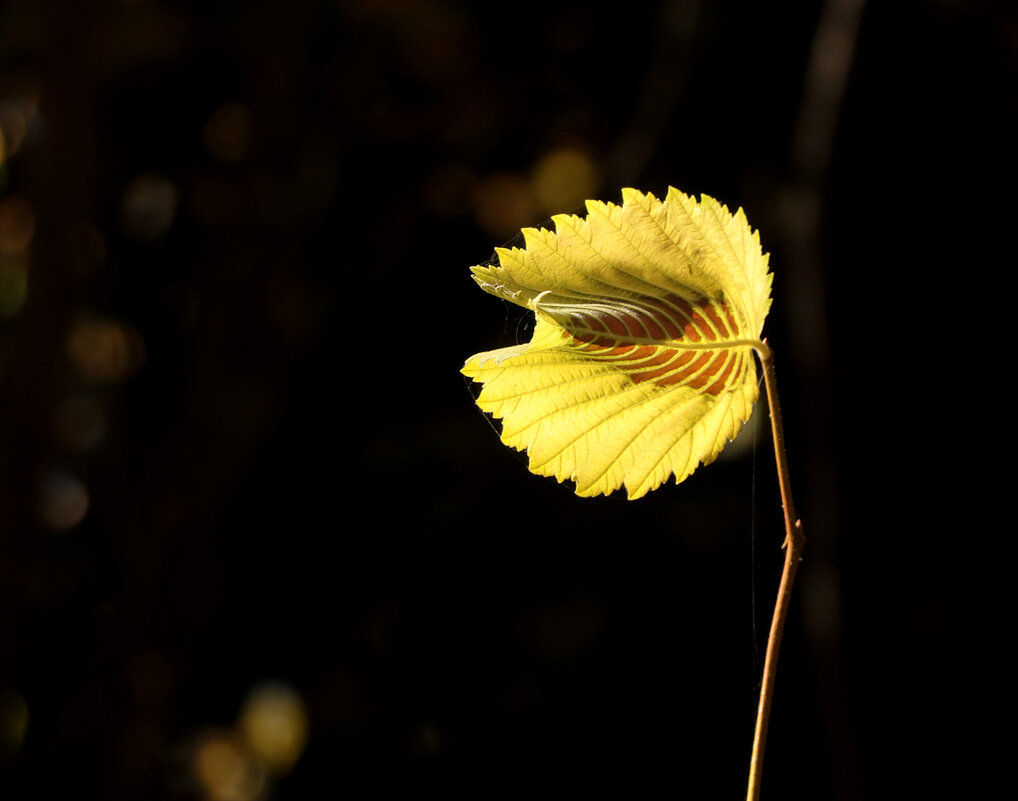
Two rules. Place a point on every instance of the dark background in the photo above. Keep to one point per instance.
(235, 447)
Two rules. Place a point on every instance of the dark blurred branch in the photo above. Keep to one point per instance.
(659, 95)
(826, 77)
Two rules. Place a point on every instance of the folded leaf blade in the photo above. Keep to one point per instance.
(641, 365)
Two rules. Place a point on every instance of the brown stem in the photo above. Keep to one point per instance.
(794, 541)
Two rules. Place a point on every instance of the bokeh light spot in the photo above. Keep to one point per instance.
(16, 117)
(13, 722)
(149, 206)
(104, 350)
(563, 179)
(13, 285)
(63, 500)
(274, 724)
(225, 769)
(427, 740)
(227, 133)
(503, 204)
(17, 224)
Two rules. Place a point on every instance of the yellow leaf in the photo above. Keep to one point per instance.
(641, 363)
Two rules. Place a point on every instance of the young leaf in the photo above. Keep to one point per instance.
(641, 364)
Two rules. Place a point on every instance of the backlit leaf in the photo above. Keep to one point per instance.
(641, 363)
